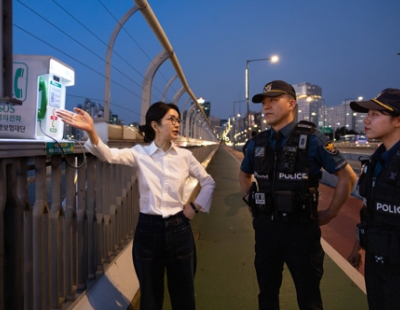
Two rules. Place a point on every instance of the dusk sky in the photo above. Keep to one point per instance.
(347, 47)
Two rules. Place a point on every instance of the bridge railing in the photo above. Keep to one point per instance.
(61, 226)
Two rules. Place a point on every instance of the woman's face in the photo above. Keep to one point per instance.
(378, 125)
(168, 129)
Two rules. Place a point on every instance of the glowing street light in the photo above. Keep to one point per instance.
(273, 59)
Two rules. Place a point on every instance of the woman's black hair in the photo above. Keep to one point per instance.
(391, 113)
(155, 113)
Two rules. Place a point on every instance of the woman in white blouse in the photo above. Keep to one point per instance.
(163, 237)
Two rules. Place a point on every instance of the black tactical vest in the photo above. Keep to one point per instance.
(382, 193)
(291, 190)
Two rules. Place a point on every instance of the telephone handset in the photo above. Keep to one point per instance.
(43, 101)
(19, 73)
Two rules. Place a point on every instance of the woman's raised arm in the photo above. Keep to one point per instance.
(81, 120)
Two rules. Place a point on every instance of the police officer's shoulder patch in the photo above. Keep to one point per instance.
(330, 148)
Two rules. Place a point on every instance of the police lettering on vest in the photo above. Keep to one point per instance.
(284, 176)
(293, 176)
(387, 208)
(379, 192)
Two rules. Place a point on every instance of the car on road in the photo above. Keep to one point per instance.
(376, 142)
(353, 139)
(359, 139)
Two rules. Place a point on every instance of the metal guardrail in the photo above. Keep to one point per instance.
(50, 250)
(344, 145)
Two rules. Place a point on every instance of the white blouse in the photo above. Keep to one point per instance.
(162, 175)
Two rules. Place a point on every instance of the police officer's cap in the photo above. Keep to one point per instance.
(274, 89)
(386, 100)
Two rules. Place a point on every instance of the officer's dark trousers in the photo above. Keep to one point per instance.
(383, 285)
(297, 245)
(165, 245)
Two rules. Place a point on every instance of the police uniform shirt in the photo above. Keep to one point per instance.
(321, 153)
(383, 157)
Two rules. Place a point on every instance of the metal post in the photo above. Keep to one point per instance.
(183, 124)
(247, 94)
(39, 237)
(324, 115)
(345, 118)
(178, 95)
(15, 210)
(69, 228)
(82, 229)
(187, 121)
(184, 105)
(110, 46)
(148, 82)
(6, 53)
(6, 49)
(91, 209)
(2, 34)
(167, 87)
(56, 212)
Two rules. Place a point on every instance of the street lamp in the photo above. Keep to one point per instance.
(272, 59)
(234, 106)
(234, 112)
(345, 111)
(323, 114)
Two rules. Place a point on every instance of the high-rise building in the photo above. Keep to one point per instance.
(311, 107)
(304, 90)
(309, 101)
(352, 119)
(335, 118)
(94, 109)
(358, 122)
(207, 108)
(205, 105)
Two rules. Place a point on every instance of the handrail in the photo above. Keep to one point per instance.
(151, 19)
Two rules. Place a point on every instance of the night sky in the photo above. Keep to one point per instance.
(347, 47)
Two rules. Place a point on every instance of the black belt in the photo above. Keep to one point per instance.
(178, 217)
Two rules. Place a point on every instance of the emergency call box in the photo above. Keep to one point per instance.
(40, 83)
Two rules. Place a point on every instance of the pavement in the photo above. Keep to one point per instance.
(226, 278)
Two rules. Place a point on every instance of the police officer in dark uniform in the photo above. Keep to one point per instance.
(379, 184)
(286, 162)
